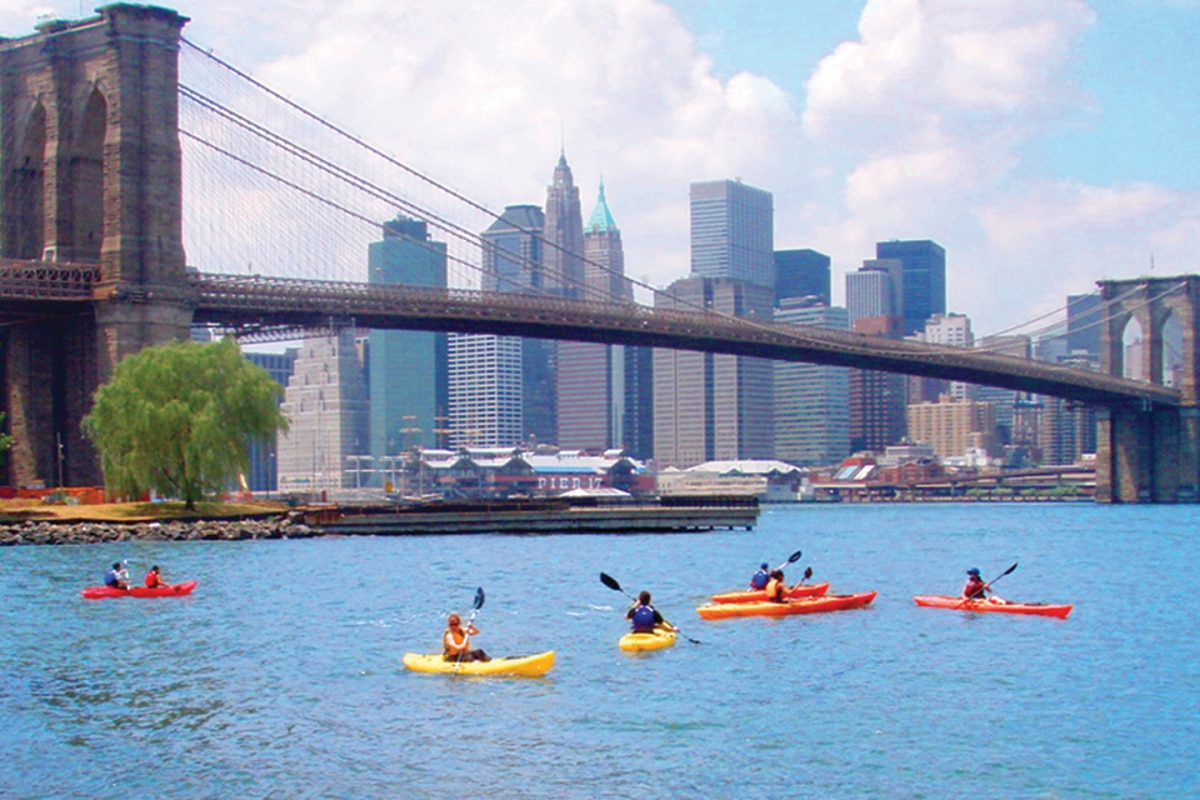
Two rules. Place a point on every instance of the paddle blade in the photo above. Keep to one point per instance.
(610, 582)
(794, 557)
(479, 598)
(807, 573)
(1007, 571)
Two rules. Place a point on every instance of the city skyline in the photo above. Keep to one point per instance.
(1027, 134)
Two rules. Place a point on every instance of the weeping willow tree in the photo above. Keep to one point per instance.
(178, 418)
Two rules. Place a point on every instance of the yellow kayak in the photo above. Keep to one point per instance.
(657, 640)
(519, 666)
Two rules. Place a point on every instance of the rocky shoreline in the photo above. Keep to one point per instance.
(52, 532)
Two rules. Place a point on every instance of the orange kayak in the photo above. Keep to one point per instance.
(805, 605)
(173, 590)
(982, 606)
(759, 595)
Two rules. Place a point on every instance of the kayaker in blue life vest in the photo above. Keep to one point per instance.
(645, 617)
(760, 579)
(117, 577)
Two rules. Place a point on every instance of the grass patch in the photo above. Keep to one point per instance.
(12, 511)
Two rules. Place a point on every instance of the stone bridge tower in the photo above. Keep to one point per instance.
(89, 175)
(1150, 454)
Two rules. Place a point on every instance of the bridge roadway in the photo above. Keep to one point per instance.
(266, 305)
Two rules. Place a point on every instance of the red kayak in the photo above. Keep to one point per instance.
(805, 605)
(173, 590)
(982, 606)
(760, 595)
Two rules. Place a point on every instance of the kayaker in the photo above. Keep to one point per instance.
(777, 589)
(760, 579)
(154, 578)
(456, 641)
(117, 577)
(976, 589)
(645, 617)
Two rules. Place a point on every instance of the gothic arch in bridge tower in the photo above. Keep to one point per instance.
(25, 230)
(91, 174)
(85, 231)
(1151, 453)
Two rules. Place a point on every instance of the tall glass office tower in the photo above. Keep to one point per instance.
(733, 232)
(513, 261)
(924, 282)
(812, 401)
(710, 406)
(408, 378)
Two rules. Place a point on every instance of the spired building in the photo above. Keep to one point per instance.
(515, 397)
(924, 279)
(563, 253)
(327, 405)
(602, 397)
(710, 406)
(408, 369)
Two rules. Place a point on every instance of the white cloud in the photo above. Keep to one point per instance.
(931, 107)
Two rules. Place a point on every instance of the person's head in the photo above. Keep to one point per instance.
(154, 568)
(117, 565)
(764, 566)
(644, 598)
(973, 572)
(777, 574)
(454, 621)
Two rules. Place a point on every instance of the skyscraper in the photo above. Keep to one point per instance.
(592, 388)
(812, 401)
(563, 255)
(801, 273)
(263, 471)
(408, 376)
(486, 398)
(876, 290)
(327, 405)
(924, 279)
(513, 262)
(711, 406)
(874, 297)
(733, 232)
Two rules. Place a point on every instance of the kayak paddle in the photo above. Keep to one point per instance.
(792, 559)
(611, 582)
(988, 585)
(478, 604)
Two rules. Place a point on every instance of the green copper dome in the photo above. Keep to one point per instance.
(601, 220)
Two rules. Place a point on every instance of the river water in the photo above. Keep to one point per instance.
(280, 676)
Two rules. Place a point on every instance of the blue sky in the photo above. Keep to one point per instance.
(1044, 143)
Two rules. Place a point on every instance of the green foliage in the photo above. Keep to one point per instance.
(178, 418)
(5, 439)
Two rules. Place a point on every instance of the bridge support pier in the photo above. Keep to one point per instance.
(1147, 456)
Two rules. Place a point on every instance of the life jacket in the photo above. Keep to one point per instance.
(452, 645)
(974, 589)
(152, 581)
(111, 578)
(776, 591)
(760, 579)
(643, 619)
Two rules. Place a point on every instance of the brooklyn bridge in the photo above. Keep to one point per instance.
(93, 268)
